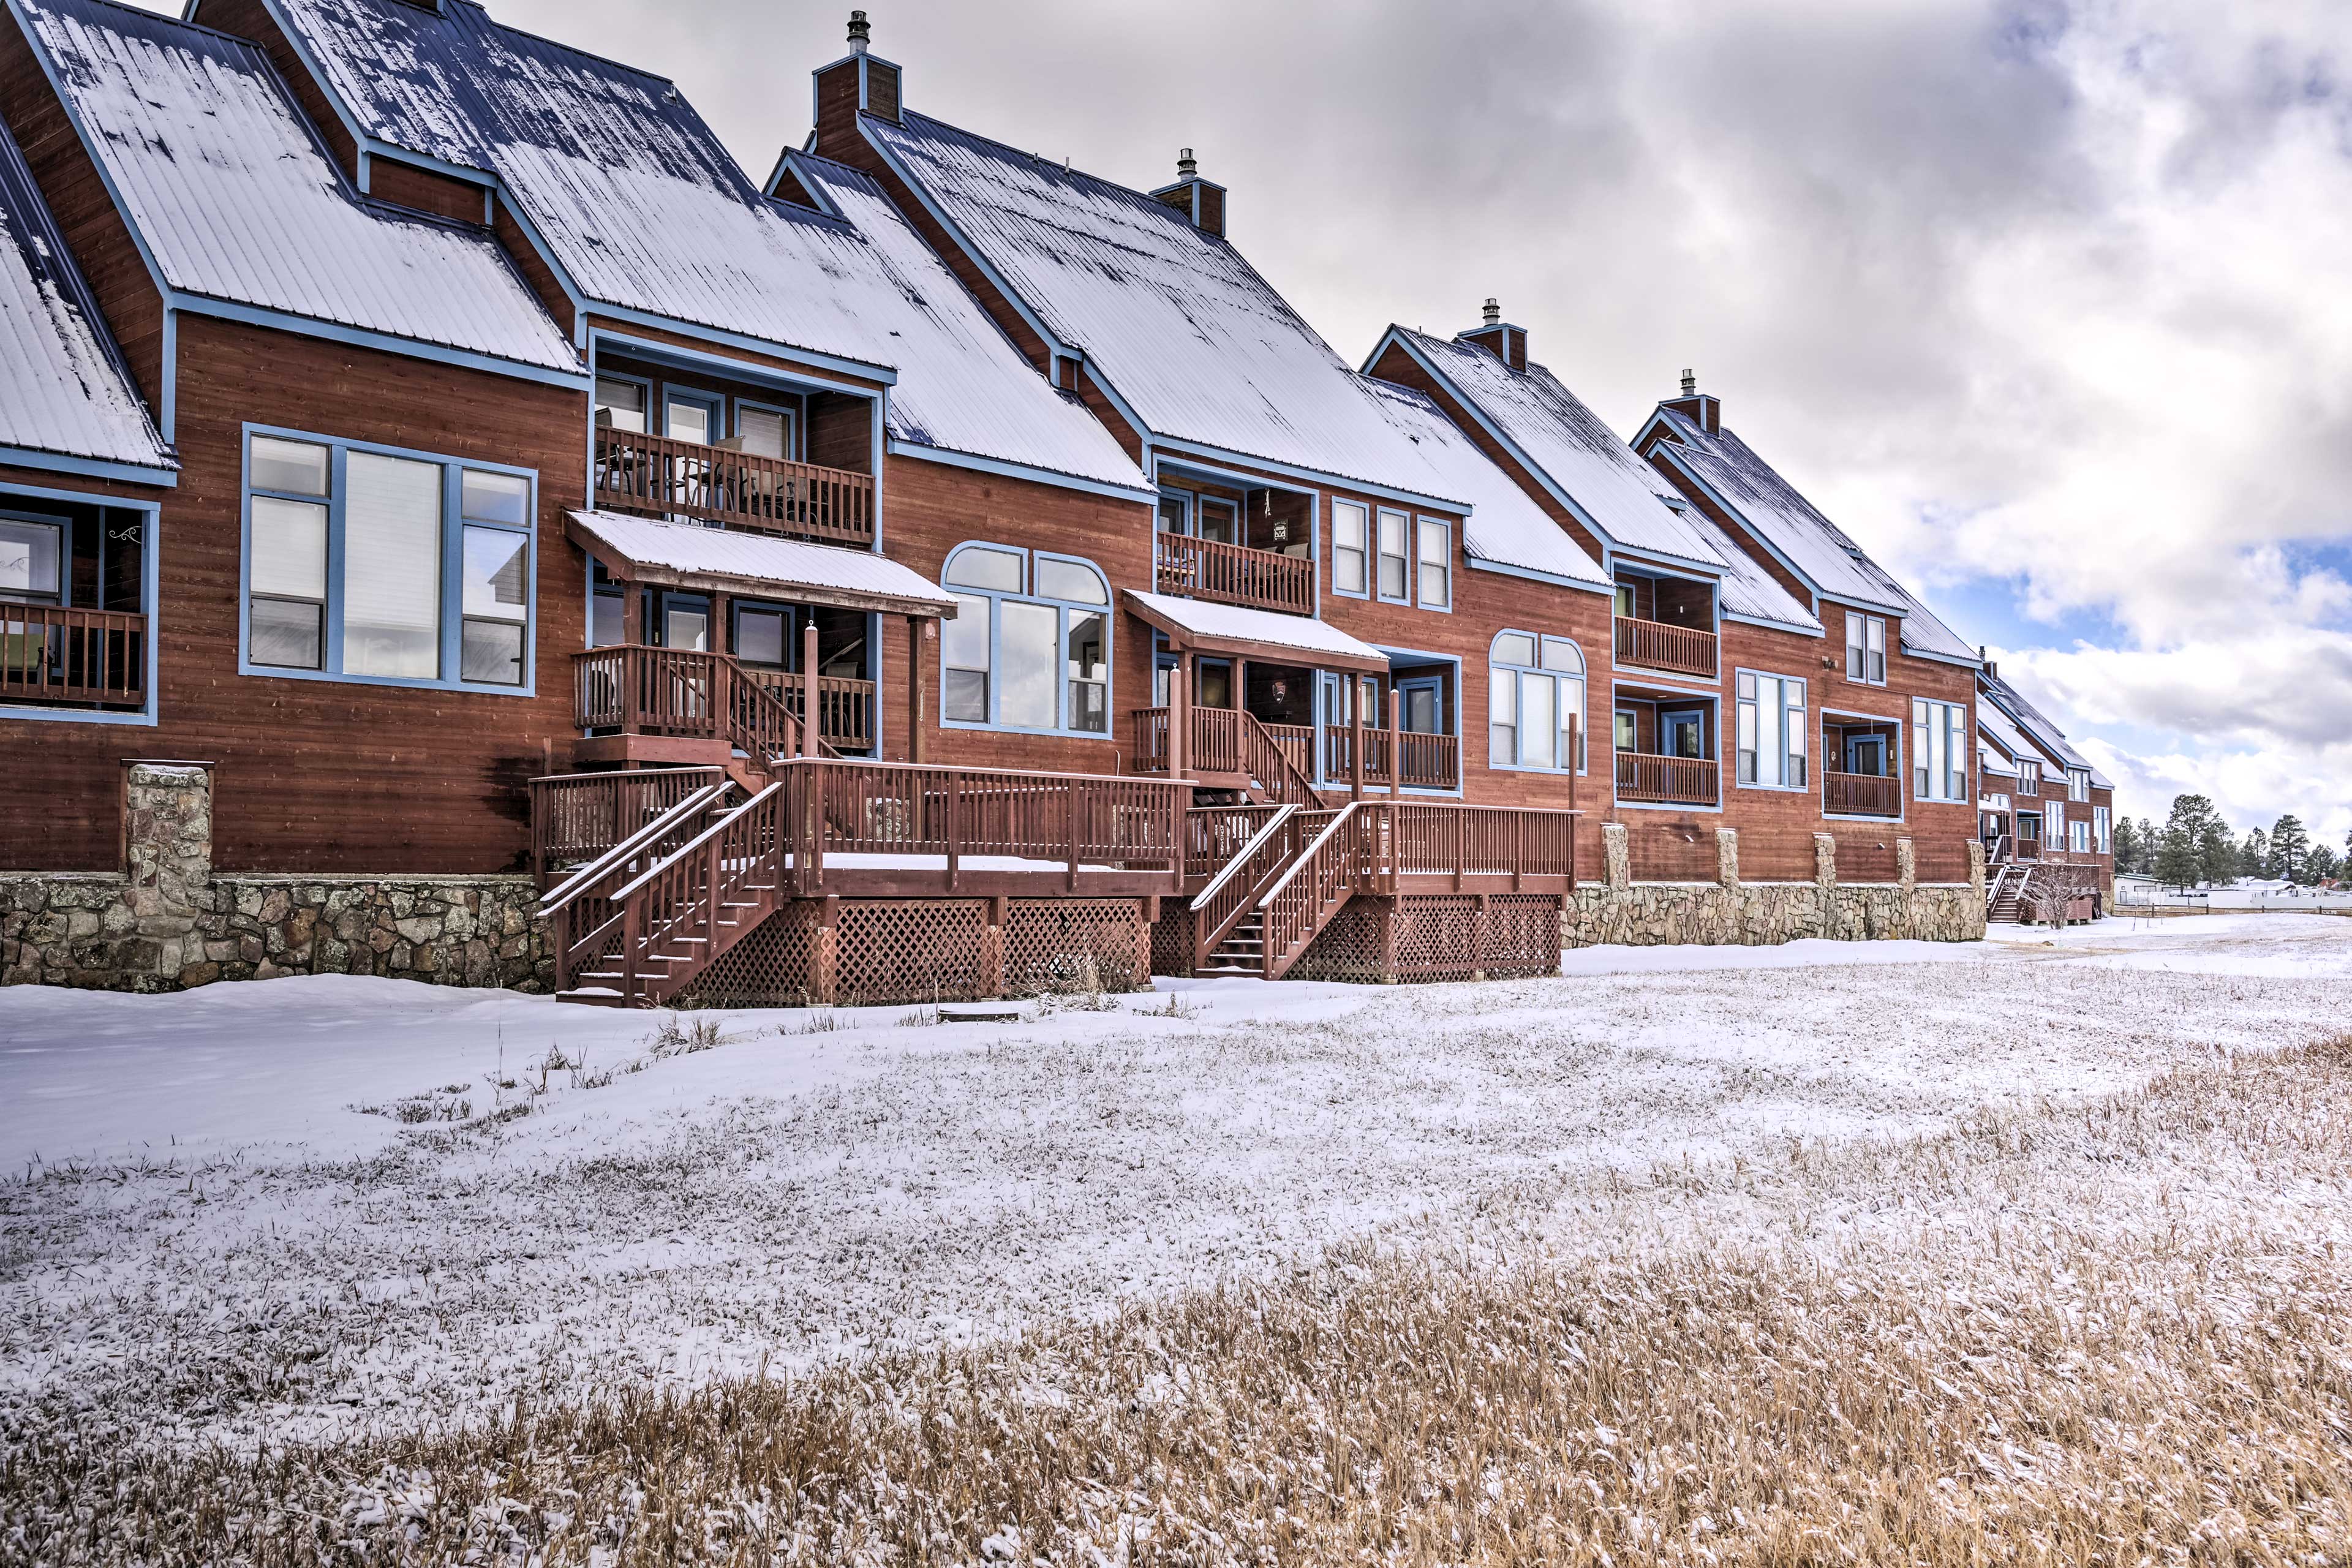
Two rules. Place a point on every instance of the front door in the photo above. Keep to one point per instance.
(1423, 707)
(1686, 735)
(1217, 688)
(1866, 754)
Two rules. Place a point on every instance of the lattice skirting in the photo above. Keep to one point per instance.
(1430, 937)
(1172, 940)
(882, 950)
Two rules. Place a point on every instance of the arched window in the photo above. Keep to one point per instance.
(1534, 703)
(1029, 646)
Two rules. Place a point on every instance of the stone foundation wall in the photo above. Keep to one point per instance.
(166, 921)
(1730, 912)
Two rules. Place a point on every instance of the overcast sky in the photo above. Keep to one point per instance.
(2049, 304)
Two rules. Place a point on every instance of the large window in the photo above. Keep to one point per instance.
(362, 563)
(1351, 524)
(1772, 730)
(1865, 648)
(1396, 584)
(1534, 703)
(1435, 548)
(1029, 646)
(1940, 751)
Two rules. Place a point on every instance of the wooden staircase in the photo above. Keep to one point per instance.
(2005, 899)
(1314, 887)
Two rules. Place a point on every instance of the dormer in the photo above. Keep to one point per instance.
(1702, 410)
(1503, 340)
(1203, 201)
(858, 82)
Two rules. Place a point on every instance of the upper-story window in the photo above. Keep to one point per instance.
(31, 554)
(1434, 546)
(763, 432)
(2102, 831)
(1029, 646)
(621, 405)
(367, 563)
(1772, 730)
(2078, 785)
(1351, 523)
(1534, 703)
(2028, 776)
(1396, 582)
(1865, 648)
(1939, 750)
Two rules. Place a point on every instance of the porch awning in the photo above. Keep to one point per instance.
(737, 561)
(1255, 633)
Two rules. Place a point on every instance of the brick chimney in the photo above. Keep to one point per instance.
(1498, 337)
(1203, 201)
(1700, 408)
(858, 82)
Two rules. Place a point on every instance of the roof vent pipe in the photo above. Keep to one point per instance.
(1493, 313)
(861, 32)
(1187, 166)
(1690, 385)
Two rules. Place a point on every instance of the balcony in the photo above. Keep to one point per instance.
(72, 658)
(1655, 645)
(1861, 794)
(683, 478)
(1398, 759)
(1667, 780)
(714, 700)
(1233, 574)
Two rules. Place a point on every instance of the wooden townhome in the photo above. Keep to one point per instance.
(2045, 813)
(933, 571)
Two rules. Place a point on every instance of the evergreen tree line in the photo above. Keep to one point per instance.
(2196, 844)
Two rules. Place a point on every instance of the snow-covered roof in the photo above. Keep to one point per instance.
(1505, 527)
(2033, 722)
(1747, 589)
(1604, 481)
(1197, 618)
(1189, 335)
(231, 193)
(645, 210)
(679, 551)
(1991, 762)
(66, 390)
(1994, 726)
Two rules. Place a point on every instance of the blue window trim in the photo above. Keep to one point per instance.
(1943, 710)
(1413, 567)
(1370, 550)
(1584, 674)
(997, 598)
(150, 579)
(628, 378)
(1812, 764)
(712, 404)
(453, 565)
(1381, 514)
(1896, 759)
(795, 418)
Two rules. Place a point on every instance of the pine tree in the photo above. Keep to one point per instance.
(2290, 848)
(2176, 858)
(2127, 846)
(2322, 866)
(2188, 842)
(2254, 854)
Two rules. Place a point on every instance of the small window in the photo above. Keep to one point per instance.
(1436, 587)
(2078, 785)
(1865, 648)
(1351, 523)
(30, 557)
(1394, 584)
(1219, 521)
(1175, 514)
(1068, 579)
(690, 417)
(621, 406)
(1628, 732)
(998, 570)
(763, 637)
(763, 432)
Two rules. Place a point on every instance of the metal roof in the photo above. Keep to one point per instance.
(2046, 736)
(233, 197)
(1191, 337)
(1612, 488)
(677, 551)
(1234, 624)
(644, 210)
(66, 390)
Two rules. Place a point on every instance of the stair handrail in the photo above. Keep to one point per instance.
(1215, 914)
(1226, 873)
(691, 845)
(1308, 854)
(571, 886)
(1298, 780)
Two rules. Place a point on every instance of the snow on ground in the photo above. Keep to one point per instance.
(219, 1237)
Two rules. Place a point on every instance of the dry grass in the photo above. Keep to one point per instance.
(2119, 1334)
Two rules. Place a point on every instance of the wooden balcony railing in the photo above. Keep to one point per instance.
(844, 706)
(577, 817)
(1861, 794)
(1227, 741)
(686, 478)
(1667, 780)
(1419, 762)
(94, 658)
(1234, 574)
(1654, 645)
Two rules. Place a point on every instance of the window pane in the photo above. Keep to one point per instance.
(1572, 724)
(1746, 739)
(963, 641)
(392, 567)
(1068, 579)
(965, 698)
(1560, 654)
(621, 405)
(760, 637)
(290, 548)
(1536, 703)
(1436, 585)
(1392, 559)
(1174, 511)
(1516, 648)
(1747, 687)
(686, 630)
(1502, 717)
(287, 634)
(603, 620)
(762, 431)
(686, 420)
(29, 557)
(997, 569)
(1216, 521)
(1088, 645)
(1347, 572)
(1627, 733)
(1347, 522)
(1349, 547)
(1767, 732)
(497, 574)
(491, 652)
(299, 467)
(497, 498)
(1028, 693)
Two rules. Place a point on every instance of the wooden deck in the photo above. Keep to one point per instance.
(684, 479)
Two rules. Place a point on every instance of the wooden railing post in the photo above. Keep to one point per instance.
(1355, 739)
(1070, 811)
(1179, 722)
(954, 825)
(810, 722)
(1396, 740)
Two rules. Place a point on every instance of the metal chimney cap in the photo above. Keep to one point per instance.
(861, 32)
(1690, 384)
(1187, 166)
(1493, 313)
